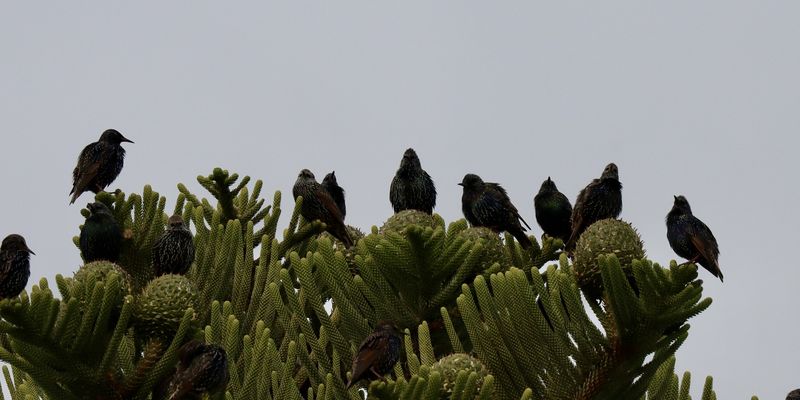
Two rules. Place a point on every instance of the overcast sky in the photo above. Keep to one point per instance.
(687, 97)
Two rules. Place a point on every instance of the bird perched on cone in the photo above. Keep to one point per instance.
(98, 164)
(15, 266)
(553, 211)
(487, 204)
(202, 368)
(690, 238)
(173, 252)
(101, 235)
(600, 199)
(319, 205)
(412, 188)
(377, 354)
(337, 193)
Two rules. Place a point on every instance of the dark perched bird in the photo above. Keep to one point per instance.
(202, 368)
(319, 205)
(337, 193)
(173, 252)
(412, 188)
(793, 395)
(101, 235)
(553, 211)
(98, 164)
(600, 199)
(377, 354)
(690, 238)
(487, 204)
(15, 266)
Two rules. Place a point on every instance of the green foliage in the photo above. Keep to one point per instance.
(291, 309)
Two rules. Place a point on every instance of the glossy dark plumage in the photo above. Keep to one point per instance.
(101, 235)
(793, 395)
(690, 238)
(553, 211)
(412, 188)
(377, 354)
(98, 164)
(319, 205)
(202, 368)
(600, 199)
(487, 204)
(15, 266)
(173, 252)
(337, 193)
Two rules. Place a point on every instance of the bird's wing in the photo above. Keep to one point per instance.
(330, 206)
(189, 351)
(366, 358)
(87, 168)
(501, 196)
(704, 242)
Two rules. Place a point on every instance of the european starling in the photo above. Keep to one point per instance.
(377, 354)
(15, 266)
(101, 236)
(600, 199)
(553, 211)
(487, 204)
(98, 164)
(690, 238)
(337, 193)
(412, 188)
(173, 252)
(319, 205)
(202, 368)
(793, 395)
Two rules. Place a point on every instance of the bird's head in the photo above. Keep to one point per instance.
(390, 327)
(98, 208)
(410, 159)
(114, 137)
(681, 204)
(548, 186)
(610, 172)
(14, 242)
(330, 178)
(306, 174)
(175, 222)
(471, 181)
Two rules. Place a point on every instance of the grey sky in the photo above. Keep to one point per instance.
(687, 97)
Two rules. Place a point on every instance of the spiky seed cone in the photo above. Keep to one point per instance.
(202, 368)
(98, 271)
(173, 252)
(451, 365)
(98, 164)
(493, 248)
(161, 305)
(331, 186)
(487, 204)
(319, 205)
(101, 235)
(400, 221)
(377, 354)
(412, 188)
(608, 236)
(690, 238)
(15, 266)
(600, 199)
(553, 211)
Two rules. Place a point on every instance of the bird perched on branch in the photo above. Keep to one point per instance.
(337, 193)
(600, 199)
(101, 235)
(319, 205)
(553, 211)
(487, 204)
(412, 188)
(377, 354)
(202, 368)
(173, 252)
(690, 238)
(15, 266)
(98, 164)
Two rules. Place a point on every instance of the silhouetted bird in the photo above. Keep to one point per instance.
(600, 199)
(337, 193)
(690, 238)
(487, 204)
(202, 368)
(412, 188)
(553, 211)
(173, 252)
(793, 395)
(377, 354)
(101, 235)
(319, 205)
(98, 164)
(15, 266)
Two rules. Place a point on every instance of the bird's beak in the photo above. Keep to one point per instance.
(31, 251)
(460, 184)
(124, 139)
(675, 197)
